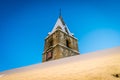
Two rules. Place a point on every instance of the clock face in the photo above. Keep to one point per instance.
(48, 56)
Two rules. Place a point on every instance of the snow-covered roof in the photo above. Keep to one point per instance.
(60, 23)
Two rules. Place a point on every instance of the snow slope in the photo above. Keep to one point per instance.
(99, 65)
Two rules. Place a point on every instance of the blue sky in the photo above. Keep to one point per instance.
(25, 23)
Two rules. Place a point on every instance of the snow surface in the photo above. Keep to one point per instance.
(99, 65)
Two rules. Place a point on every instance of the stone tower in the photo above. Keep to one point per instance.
(60, 42)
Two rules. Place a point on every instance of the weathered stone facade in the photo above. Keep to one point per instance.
(59, 44)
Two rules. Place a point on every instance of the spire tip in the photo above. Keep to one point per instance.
(60, 13)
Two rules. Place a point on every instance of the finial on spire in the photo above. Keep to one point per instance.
(60, 13)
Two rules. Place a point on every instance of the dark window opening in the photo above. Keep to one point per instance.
(67, 43)
(51, 43)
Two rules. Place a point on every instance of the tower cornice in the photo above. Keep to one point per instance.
(52, 47)
(62, 32)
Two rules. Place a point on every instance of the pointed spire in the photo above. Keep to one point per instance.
(60, 13)
(60, 23)
(60, 17)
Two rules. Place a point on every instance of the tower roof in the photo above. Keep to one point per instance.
(60, 23)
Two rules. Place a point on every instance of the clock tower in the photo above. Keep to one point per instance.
(59, 43)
